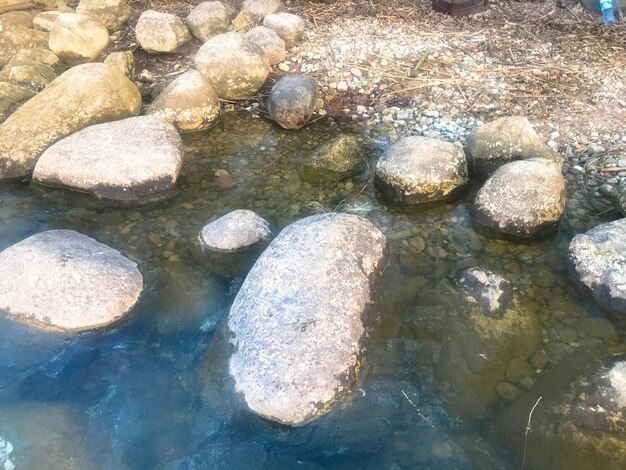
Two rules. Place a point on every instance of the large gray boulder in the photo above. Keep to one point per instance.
(288, 26)
(125, 160)
(15, 39)
(159, 32)
(189, 103)
(84, 95)
(598, 259)
(334, 161)
(421, 169)
(77, 39)
(235, 68)
(291, 101)
(63, 280)
(525, 198)
(270, 43)
(208, 19)
(111, 13)
(297, 320)
(502, 141)
(259, 8)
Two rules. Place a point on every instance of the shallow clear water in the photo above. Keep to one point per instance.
(154, 392)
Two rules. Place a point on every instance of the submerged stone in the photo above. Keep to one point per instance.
(334, 161)
(489, 291)
(298, 317)
(63, 280)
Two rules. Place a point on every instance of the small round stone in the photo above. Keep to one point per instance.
(235, 231)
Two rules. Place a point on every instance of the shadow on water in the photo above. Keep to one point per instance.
(154, 391)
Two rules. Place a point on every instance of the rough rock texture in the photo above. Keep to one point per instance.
(15, 39)
(111, 13)
(61, 279)
(502, 141)
(84, 95)
(34, 76)
(15, 18)
(598, 258)
(44, 20)
(234, 68)
(11, 97)
(161, 32)
(260, 8)
(334, 161)
(38, 56)
(580, 421)
(235, 231)
(124, 160)
(297, 320)
(124, 61)
(489, 291)
(77, 39)
(289, 27)
(208, 19)
(524, 198)
(189, 103)
(270, 43)
(291, 101)
(621, 196)
(421, 169)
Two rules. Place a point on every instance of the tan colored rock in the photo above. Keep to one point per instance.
(84, 95)
(243, 22)
(11, 97)
(124, 61)
(161, 32)
(272, 46)
(524, 198)
(189, 103)
(111, 13)
(288, 26)
(63, 280)
(14, 19)
(33, 76)
(44, 20)
(208, 19)
(77, 39)
(15, 39)
(38, 56)
(260, 8)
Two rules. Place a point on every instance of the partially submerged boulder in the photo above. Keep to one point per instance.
(111, 13)
(421, 169)
(125, 160)
(84, 95)
(502, 141)
(189, 103)
(159, 32)
(270, 43)
(234, 68)
(291, 101)
(297, 319)
(77, 39)
(524, 198)
(489, 291)
(63, 280)
(208, 19)
(288, 26)
(334, 161)
(598, 259)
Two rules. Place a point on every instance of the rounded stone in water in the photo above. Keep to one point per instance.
(235, 231)
(63, 280)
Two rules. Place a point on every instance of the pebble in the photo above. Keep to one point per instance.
(342, 86)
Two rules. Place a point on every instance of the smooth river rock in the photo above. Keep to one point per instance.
(43, 21)
(77, 39)
(15, 39)
(235, 68)
(159, 32)
(334, 161)
(208, 19)
(598, 258)
(288, 26)
(270, 43)
(259, 8)
(63, 280)
(421, 169)
(502, 141)
(525, 198)
(124, 160)
(291, 101)
(111, 13)
(189, 102)
(84, 95)
(297, 321)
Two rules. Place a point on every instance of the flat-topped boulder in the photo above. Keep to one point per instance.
(208, 19)
(235, 68)
(189, 102)
(77, 39)
(291, 101)
(288, 26)
(297, 320)
(598, 259)
(421, 169)
(84, 95)
(111, 13)
(502, 141)
(159, 32)
(125, 160)
(524, 198)
(63, 280)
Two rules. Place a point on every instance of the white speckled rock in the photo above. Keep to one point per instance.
(525, 198)
(289, 27)
(297, 319)
(599, 262)
(270, 43)
(84, 95)
(421, 169)
(44, 20)
(189, 103)
(161, 32)
(234, 68)
(260, 8)
(77, 39)
(491, 292)
(61, 279)
(505, 140)
(123, 160)
(235, 231)
(208, 19)
(111, 13)
(291, 101)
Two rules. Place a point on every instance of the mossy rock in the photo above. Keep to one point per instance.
(334, 161)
